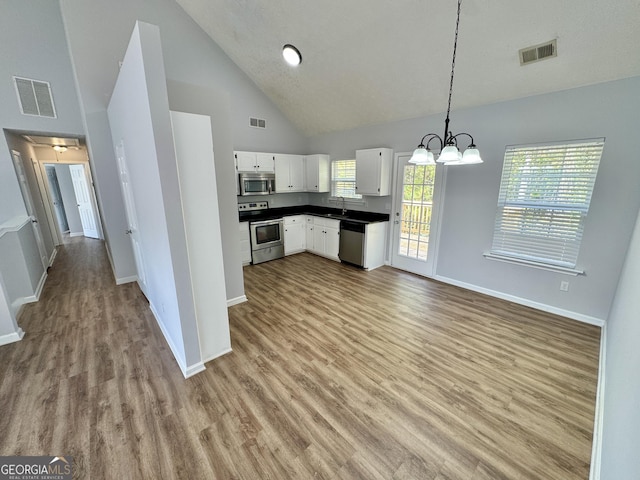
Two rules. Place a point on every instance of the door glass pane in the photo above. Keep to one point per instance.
(417, 203)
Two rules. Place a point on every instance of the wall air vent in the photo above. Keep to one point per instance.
(257, 122)
(34, 97)
(538, 52)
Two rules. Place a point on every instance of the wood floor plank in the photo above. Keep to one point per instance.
(335, 373)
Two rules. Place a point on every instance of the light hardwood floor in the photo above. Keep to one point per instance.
(335, 373)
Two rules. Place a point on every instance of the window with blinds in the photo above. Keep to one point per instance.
(343, 179)
(544, 199)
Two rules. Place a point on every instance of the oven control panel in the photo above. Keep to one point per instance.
(249, 206)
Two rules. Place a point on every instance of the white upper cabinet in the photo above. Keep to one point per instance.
(318, 173)
(290, 175)
(373, 171)
(254, 162)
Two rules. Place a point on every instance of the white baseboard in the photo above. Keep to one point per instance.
(18, 303)
(194, 369)
(123, 280)
(598, 421)
(53, 256)
(523, 301)
(235, 301)
(187, 371)
(217, 355)
(12, 337)
(40, 286)
(76, 234)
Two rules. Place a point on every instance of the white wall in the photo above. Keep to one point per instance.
(139, 118)
(69, 199)
(621, 434)
(193, 140)
(34, 46)
(98, 34)
(607, 110)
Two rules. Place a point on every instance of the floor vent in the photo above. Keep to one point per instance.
(34, 97)
(538, 52)
(257, 122)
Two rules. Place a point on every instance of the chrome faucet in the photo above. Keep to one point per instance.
(344, 208)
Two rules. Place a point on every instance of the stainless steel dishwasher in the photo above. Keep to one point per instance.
(352, 242)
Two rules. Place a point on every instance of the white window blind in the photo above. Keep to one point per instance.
(544, 199)
(343, 179)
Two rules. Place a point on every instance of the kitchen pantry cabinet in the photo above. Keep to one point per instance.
(373, 171)
(254, 162)
(289, 173)
(245, 243)
(326, 237)
(294, 234)
(318, 173)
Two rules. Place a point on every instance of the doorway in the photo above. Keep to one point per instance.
(71, 199)
(416, 216)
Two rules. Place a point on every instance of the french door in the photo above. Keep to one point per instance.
(415, 216)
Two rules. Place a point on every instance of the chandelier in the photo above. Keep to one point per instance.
(448, 144)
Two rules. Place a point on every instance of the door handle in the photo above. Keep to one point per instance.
(397, 222)
(128, 232)
(33, 220)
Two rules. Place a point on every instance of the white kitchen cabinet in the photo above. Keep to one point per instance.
(245, 243)
(290, 175)
(375, 235)
(326, 237)
(294, 234)
(318, 173)
(309, 233)
(254, 162)
(373, 171)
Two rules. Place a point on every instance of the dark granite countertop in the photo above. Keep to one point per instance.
(327, 212)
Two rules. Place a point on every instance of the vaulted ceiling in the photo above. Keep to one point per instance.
(375, 61)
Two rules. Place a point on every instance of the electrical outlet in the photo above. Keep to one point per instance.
(564, 286)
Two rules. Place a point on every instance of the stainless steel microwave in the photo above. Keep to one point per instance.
(257, 183)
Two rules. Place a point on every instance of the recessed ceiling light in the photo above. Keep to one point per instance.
(292, 55)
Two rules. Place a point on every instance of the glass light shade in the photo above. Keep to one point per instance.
(291, 55)
(471, 156)
(450, 153)
(422, 156)
(60, 148)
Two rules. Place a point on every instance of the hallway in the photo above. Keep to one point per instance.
(58, 390)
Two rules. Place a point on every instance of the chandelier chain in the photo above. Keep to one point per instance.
(453, 62)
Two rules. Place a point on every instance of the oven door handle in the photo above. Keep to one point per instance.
(267, 222)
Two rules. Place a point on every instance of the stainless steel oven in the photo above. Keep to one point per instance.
(257, 183)
(267, 240)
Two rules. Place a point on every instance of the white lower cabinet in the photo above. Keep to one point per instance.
(245, 243)
(294, 234)
(326, 237)
(309, 233)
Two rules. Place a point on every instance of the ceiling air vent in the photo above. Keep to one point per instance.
(538, 52)
(257, 122)
(35, 97)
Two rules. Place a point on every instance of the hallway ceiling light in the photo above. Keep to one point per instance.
(291, 55)
(60, 148)
(449, 153)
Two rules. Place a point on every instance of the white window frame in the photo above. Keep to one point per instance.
(356, 198)
(545, 193)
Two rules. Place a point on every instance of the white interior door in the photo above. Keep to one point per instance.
(28, 203)
(83, 197)
(415, 217)
(132, 219)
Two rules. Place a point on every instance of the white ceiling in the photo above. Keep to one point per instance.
(375, 61)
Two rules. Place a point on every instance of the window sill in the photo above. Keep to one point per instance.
(542, 266)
